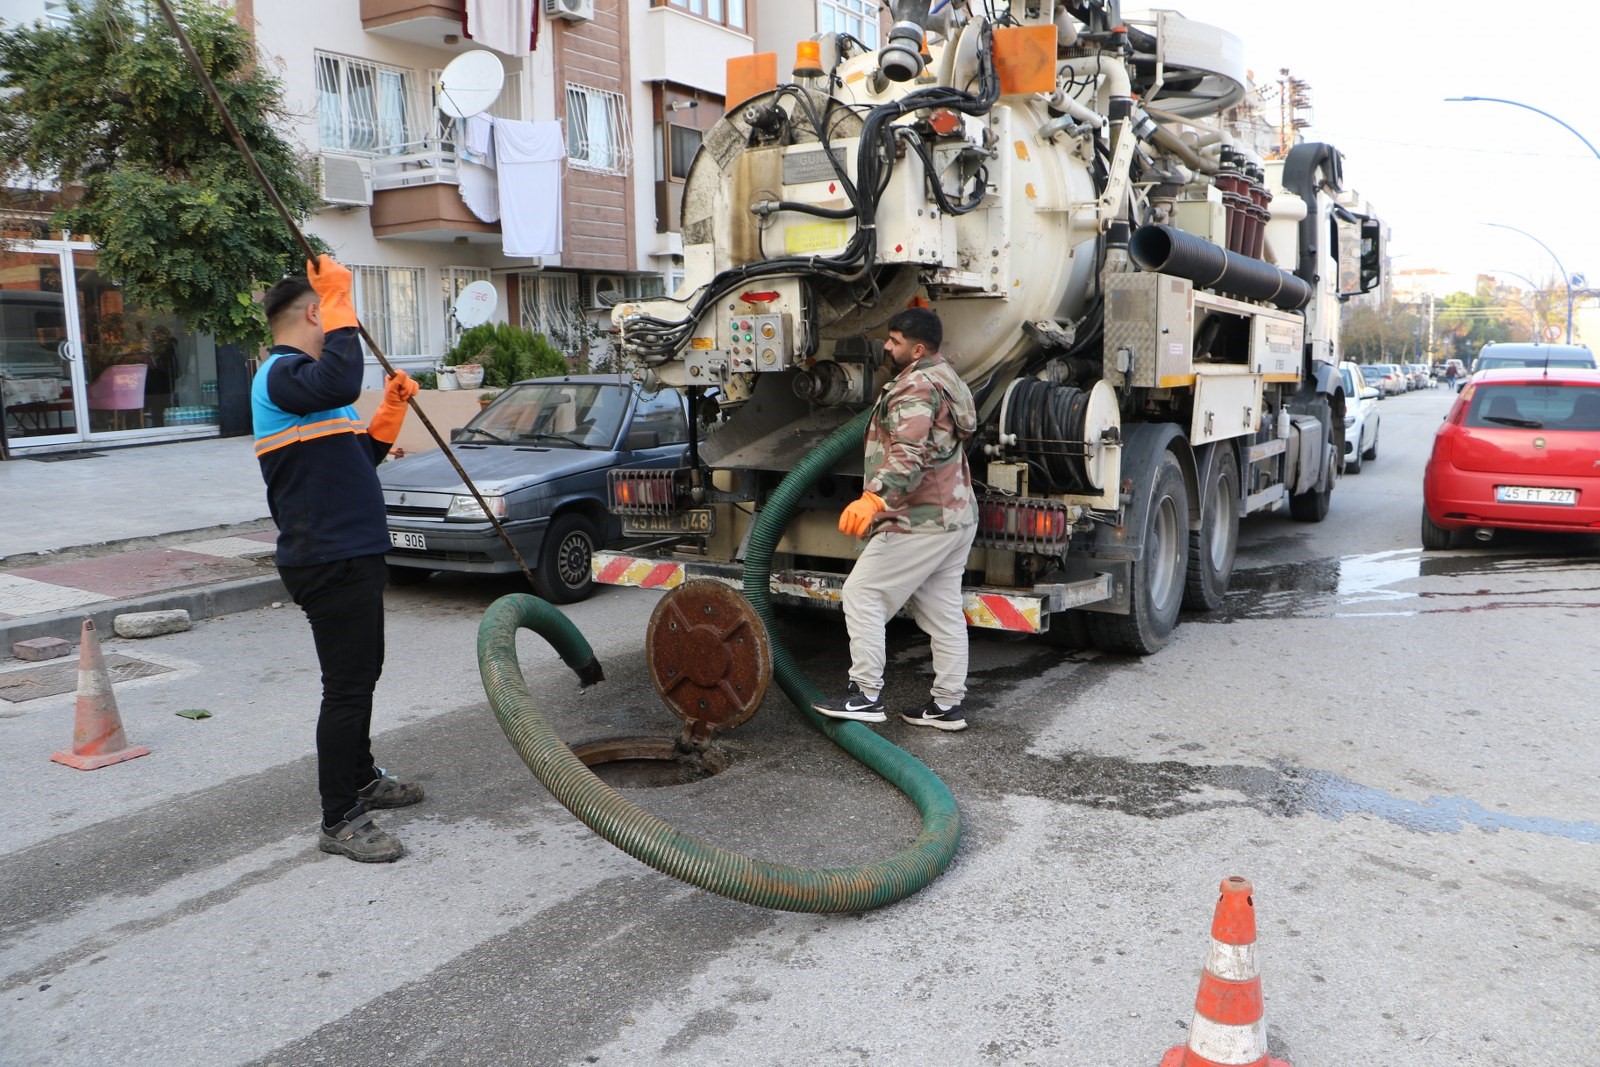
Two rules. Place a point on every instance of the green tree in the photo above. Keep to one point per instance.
(108, 103)
(1464, 323)
(1385, 333)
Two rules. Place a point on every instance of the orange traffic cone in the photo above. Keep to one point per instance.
(1227, 1030)
(97, 737)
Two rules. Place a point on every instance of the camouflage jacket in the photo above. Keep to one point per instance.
(914, 457)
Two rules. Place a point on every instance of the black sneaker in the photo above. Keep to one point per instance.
(387, 791)
(930, 714)
(853, 705)
(360, 839)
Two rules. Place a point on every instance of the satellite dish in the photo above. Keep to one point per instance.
(475, 304)
(470, 83)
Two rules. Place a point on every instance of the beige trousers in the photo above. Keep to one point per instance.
(923, 570)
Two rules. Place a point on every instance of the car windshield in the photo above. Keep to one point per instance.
(1539, 407)
(562, 414)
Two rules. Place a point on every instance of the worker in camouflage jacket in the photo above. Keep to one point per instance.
(919, 517)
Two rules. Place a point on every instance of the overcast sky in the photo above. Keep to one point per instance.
(1436, 171)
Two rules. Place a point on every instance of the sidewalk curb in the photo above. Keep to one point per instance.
(201, 602)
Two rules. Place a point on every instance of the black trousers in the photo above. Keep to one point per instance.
(343, 601)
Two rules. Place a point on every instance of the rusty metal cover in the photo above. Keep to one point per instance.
(709, 655)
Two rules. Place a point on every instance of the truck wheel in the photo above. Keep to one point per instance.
(407, 575)
(563, 571)
(1436, 538)
(1158, 577)
(1212, 546)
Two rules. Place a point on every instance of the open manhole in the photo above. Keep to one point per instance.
(650, 762)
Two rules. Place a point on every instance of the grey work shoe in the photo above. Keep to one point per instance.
(361, 840)
(853, 705)
(387, 791)
(931, 714)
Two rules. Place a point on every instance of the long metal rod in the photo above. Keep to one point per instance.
(288, 220)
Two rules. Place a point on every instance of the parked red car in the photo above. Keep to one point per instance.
(1519, 450)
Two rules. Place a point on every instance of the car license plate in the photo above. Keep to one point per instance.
(408, 540)
(1532, 494)
(701, 522)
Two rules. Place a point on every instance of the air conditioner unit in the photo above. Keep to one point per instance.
(605, 290)
(347, 181)
(571, 10)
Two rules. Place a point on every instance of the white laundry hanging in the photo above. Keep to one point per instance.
(528, 158)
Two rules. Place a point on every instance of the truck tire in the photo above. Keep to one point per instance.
(1158, 575)
(563, 570)
(1213, 546)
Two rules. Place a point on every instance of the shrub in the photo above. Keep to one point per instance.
(426, 379)
(507, 354)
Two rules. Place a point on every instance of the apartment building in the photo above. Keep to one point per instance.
(631, 87)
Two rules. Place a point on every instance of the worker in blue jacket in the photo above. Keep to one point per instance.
(320, 466)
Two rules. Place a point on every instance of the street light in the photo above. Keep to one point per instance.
(1530, 107)
(1566, 278)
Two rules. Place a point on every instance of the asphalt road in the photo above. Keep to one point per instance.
(1395, 748)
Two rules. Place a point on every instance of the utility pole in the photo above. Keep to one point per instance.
(1430, 327)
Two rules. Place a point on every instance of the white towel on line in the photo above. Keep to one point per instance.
(477, 142)
(504, 25)
(528, 157)
(480, 191)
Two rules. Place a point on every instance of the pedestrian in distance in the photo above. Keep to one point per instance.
(320, 466)
(1450, 376)
(919, 517)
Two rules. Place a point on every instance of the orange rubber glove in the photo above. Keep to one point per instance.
(385, 422)
(858, 514)
(333, 285)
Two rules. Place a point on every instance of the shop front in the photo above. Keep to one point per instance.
(80, 365)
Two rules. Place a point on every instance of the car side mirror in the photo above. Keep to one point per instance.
(641, 439)
(1370, 394)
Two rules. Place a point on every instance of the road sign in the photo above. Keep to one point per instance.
(1552, 333)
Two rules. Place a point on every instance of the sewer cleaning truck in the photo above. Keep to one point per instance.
(1145, 307)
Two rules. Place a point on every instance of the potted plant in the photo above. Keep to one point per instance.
(447, 378)
(484, 399)
(469, 375)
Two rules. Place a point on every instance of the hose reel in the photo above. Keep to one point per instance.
(1061, 432)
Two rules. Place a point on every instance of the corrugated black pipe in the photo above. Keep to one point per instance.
(1172, 251)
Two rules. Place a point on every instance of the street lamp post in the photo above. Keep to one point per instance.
(1530, 107)
(1566, 279)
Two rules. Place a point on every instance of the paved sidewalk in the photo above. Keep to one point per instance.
(101, 533)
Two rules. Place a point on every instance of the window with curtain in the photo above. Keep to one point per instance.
(726, 12)
(366, 108)
(597, 130)
(858, 18)
(389, 303)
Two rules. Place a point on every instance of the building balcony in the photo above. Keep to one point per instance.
(434, 23)
(416, 196)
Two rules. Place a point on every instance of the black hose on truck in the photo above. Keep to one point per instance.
(1168, 250)
(650, 840)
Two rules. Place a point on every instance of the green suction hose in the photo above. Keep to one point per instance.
(652, 841)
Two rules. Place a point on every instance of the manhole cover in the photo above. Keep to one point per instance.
(53, 679)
